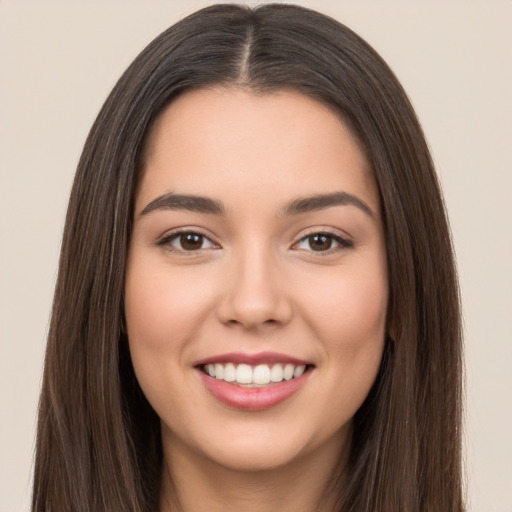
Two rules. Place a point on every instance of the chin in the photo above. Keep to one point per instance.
(256, 457)
(269, 448)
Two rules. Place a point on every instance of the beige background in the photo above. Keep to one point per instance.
(58, 62)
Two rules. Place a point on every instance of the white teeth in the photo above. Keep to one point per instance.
(299, 370)
(219, 371)
(229, 372)
(244, 374)
(260, 375)
(276, 374)
(288, 371)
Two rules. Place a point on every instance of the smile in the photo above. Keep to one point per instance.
(257, 376)
(253, 382)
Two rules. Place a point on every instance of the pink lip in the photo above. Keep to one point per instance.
(252, 359)
(253, 399)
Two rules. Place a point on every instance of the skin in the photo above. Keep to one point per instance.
(255, 284)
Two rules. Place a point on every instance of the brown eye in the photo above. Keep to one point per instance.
(320, 242)
(191, 241)
(323, 242)
(186, 241)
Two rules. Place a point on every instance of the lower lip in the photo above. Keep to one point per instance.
(253, 399)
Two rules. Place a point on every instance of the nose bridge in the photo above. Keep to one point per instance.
(255, 294)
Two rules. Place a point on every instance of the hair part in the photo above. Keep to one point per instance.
(98, 439)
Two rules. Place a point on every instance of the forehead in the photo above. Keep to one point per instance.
(215, 141)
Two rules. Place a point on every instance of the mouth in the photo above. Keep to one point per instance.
(254, 376)
(253, 382)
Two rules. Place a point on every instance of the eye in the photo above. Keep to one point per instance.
(323, 242)
(186, 241)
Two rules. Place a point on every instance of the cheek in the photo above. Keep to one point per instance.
(148, 333)
(352, 313)
(164, 311)
(350, 323)
(162, 307)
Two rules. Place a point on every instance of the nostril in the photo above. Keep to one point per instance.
(251, 324)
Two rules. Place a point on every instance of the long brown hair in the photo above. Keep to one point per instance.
(98, 439)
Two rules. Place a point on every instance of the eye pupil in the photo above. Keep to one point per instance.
(191, 241)
(320, 242)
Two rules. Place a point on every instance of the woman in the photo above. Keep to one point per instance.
(216, 345)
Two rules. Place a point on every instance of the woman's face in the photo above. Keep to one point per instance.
(256, 287)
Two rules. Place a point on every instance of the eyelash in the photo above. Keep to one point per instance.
(167, 240)
(343, 243)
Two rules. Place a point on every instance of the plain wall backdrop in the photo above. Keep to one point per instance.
(58, 62)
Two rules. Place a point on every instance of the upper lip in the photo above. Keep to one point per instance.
(252, 359)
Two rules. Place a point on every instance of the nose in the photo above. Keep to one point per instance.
(255, 294)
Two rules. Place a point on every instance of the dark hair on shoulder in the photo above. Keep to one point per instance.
(98, 439)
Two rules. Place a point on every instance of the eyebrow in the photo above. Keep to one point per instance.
(200, 204)
(323, 201)
(173, 201)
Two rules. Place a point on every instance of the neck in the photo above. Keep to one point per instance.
(193, 483)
